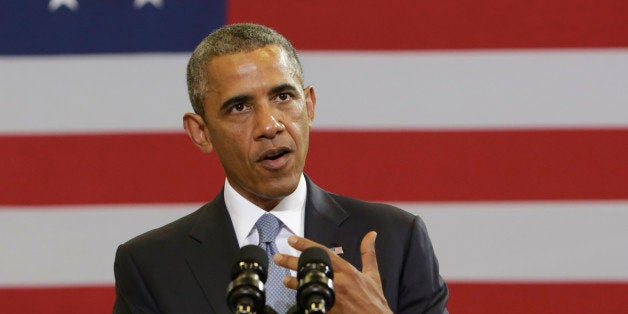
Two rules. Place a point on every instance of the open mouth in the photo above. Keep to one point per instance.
(275, 154)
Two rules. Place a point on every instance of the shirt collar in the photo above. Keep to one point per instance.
(244, 214)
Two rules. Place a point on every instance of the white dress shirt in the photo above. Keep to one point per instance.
(245, 214)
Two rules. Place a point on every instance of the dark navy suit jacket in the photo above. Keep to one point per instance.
(183, 267)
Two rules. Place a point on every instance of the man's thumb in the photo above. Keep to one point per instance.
(367, 249)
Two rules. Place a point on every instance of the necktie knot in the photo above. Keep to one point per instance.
(268, 227)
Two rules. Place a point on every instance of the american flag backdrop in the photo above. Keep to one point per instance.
(504, 124)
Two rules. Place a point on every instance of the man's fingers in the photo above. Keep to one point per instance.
(291, 282)
(367, 249)
(286, 261)
(302, 244)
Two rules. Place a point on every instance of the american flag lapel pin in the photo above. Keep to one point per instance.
(337, 249)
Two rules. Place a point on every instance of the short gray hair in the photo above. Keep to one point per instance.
(227, 40)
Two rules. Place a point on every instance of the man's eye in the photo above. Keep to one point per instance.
(283, 97)
(238, 108)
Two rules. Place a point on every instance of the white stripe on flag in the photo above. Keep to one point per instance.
(531, 241)
(356, 90)
(71, 245)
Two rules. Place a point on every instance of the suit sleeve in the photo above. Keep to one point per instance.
(422, 290)
(132, 294)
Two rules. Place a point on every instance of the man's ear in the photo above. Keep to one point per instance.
(196, 128)
(310, 102)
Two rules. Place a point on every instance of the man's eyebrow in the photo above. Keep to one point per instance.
(235, 100)
(247, 98)
(283, 88)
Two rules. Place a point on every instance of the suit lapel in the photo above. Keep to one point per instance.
(324, 219)
(213, 246)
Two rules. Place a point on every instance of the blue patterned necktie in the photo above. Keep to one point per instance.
(278, 296)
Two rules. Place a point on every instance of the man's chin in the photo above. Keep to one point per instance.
(278, 187)
(267, 199)
(277, 192)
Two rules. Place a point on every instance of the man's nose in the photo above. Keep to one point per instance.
(268, 123)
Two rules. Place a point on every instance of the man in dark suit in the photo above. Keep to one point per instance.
(246, 86)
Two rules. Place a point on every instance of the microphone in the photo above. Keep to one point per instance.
(315, 292)
(245, 293)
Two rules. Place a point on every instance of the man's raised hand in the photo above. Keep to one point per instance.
(356, 292)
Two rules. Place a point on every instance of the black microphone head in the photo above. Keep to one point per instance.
(315, 292)
(250, 257)
(315, 255)
(245, 293)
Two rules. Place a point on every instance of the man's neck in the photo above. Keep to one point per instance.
(244, 213)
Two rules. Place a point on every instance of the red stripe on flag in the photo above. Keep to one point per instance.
(538, 298)
(469, 298)
(387, 166)
(433, 24)
(57, 300)
(93, 169)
